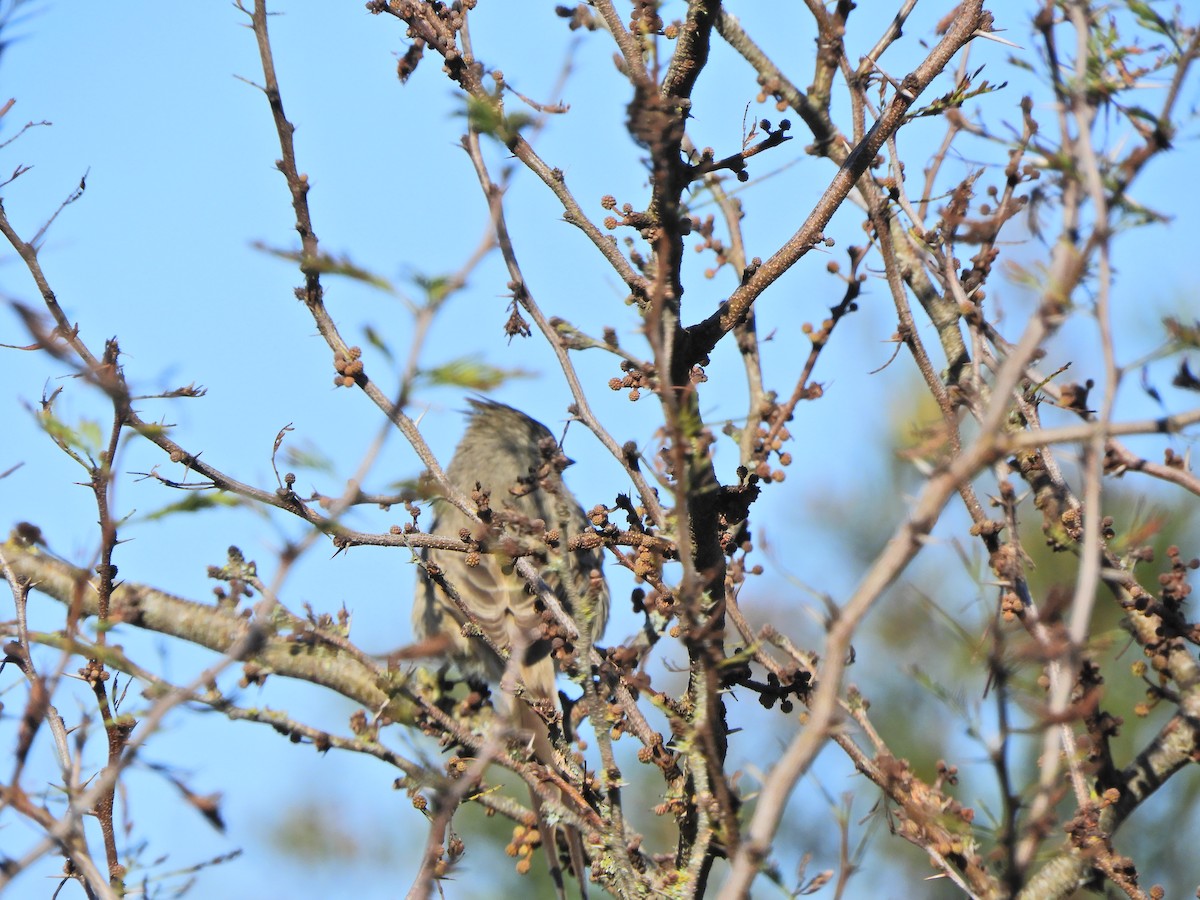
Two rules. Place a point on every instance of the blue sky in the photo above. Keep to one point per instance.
(159, 251)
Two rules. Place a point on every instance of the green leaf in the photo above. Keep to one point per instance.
(962, 92)
(375, 339)
(436, 287)
(194, 502)
(327, 264)
(486, 116)
(1182, 334)
(1152, 21)
(85, 438)
(307, 457)
(471, 372)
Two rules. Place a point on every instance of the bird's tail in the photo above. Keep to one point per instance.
(543, 752)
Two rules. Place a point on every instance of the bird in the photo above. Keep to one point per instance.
(511, 466)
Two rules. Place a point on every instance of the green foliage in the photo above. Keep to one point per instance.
(436, 287)
(193, 502)
(472, 373)
(1153, 22)
(328, 264)
(84, 439)
(313, 834)
(487, 117)
(1184, 336)
(963, 91)
(375, 339)
(308, 457)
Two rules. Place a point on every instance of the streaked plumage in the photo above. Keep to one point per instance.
(520, 463)
(513, 456)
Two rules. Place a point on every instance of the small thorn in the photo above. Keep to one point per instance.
(991, 36)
